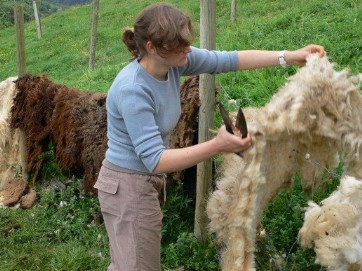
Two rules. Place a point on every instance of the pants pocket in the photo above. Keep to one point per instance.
(107, 185)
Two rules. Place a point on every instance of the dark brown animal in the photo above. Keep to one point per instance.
(75, 122)
(32, 111)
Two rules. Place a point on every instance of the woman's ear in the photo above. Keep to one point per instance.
(151, 49)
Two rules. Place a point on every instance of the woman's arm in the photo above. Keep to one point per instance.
(252, 59)
(178, 159)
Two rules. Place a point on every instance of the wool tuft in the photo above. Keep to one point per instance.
(334, 227)
(12, 155)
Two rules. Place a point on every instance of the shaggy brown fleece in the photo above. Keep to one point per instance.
(32, 110)
(76, 122)
(185, 133)
(78, 128)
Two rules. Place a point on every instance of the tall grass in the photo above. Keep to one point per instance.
(58, 233)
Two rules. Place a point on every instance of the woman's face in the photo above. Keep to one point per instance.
(178, 57)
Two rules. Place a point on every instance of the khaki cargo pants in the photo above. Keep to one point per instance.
(132, 215)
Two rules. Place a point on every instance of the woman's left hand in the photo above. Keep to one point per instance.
(299, 57)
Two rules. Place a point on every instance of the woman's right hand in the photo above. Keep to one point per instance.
(178, 159)
(299, 57)
(228, 142)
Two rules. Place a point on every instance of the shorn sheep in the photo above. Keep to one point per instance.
(315, 116)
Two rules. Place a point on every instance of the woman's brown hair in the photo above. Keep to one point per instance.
(165, 26)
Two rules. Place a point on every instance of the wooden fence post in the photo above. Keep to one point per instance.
(93, 43)
(206, 117)
(233, 10)
(37, 20)
(20, 39)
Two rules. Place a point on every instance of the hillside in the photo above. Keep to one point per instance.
(63, 51)
(44, 7)
(70, 2)
(57, 235)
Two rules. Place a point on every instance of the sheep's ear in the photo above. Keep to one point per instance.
(227, 121)
(241, 123)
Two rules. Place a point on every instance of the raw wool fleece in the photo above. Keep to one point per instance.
(12, 152)
(76, 122)
(315, 116)
(335, 227)
(185, 133)
(31, 112)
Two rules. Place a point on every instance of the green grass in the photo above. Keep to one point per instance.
(57, 234)
(54, 236)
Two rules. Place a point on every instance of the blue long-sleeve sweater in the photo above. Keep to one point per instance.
(142, 111)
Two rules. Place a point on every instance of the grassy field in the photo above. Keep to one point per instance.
(59, 233)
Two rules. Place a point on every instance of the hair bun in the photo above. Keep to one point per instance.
(128, 39)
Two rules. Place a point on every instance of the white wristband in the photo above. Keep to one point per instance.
(281, 58)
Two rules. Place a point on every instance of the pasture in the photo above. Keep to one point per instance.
(61, 231)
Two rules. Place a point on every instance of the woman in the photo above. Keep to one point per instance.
(143, 107)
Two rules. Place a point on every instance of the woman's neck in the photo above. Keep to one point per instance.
(156, 68)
